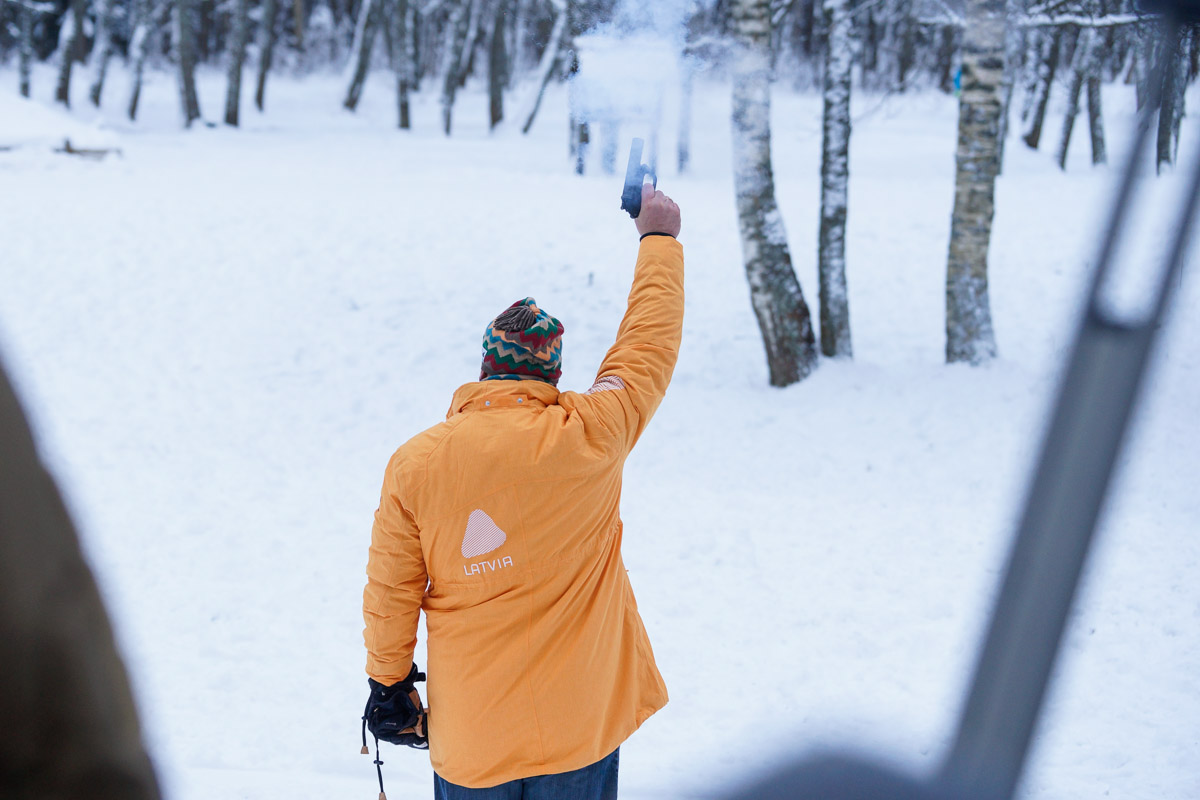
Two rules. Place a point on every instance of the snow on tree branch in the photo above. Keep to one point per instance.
(34, 6)
(781, 12)
(1046, 8)
(1079, 21)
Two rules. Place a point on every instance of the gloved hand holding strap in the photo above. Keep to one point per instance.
(395, 713)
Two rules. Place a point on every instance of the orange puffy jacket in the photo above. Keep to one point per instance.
(502, 523)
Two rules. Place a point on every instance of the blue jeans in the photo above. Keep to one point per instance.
(597, 782)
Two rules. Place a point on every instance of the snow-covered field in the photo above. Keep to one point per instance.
(222, 335)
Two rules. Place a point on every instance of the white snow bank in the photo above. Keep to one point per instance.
(26, 123)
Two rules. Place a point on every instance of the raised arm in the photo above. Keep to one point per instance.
(634, 375)
(396, 580)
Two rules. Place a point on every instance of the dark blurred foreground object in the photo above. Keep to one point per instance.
(68, 726)
(1095, 401)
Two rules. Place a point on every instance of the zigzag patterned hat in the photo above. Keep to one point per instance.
(523, 342)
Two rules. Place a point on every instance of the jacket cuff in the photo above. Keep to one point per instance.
(655, 233)
(664, 243)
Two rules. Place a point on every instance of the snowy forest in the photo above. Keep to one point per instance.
(440, 45)
(248, 247)
(996, 55)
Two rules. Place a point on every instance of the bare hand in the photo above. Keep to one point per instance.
(659, 213)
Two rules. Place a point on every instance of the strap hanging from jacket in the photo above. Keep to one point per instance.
(378, 763)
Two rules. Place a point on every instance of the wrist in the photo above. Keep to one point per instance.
(383, 689)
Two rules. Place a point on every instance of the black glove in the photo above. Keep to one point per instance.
(395, 713)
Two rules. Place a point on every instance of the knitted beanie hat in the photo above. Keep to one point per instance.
(524, 341)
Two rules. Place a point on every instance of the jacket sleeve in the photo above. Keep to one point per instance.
(634, 375)
(396, 581)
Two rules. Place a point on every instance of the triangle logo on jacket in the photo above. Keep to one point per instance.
(483, 535)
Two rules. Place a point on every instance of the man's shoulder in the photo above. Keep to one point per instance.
(425, 442)
(410, 458)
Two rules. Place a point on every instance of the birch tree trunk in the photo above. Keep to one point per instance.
(870, 42)
(1047, 66)
(186, 55)
(1100, 50)
(202, 23)
(1193, 57)
(1101, 53)
(456, 39)
(102, 50)
(69, 52)
(549, 60)
(835, 177)
(1033, 62)
(687, 79)
(610, 131)
(945, 58)
(144, 26)
(1170, 114)
(1012, 56)
(519, 44)
(25, 64)
(237, 58)
(298, 17)
(969, 333)
(365, 28)
(1096, 122)
(684, 139)
(466, 55)
(775, 294)
(1079, 66)
(905, 35)
(266, 50)
(1085, 75)
(497, 65)
(416, 45)
(431, 33)
(403, 56)
(1143, 60)
(387, 20)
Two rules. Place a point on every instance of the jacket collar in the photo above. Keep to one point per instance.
(501, 394)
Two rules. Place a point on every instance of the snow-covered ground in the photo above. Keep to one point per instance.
(222, 335)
